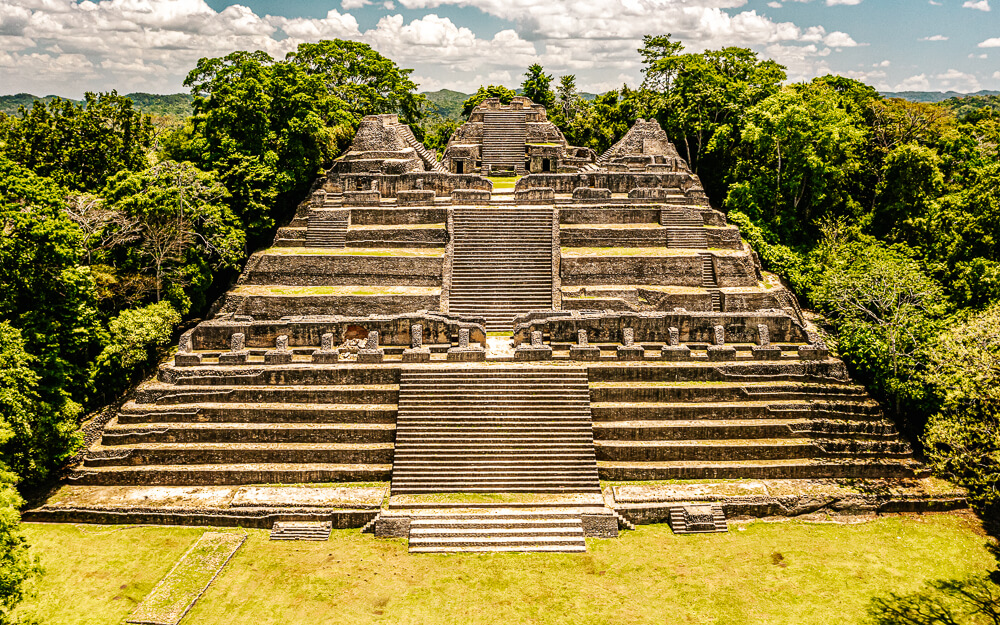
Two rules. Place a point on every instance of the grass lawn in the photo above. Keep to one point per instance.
(790, 572)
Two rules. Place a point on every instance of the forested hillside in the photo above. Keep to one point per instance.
(882, 214)
(178, 104)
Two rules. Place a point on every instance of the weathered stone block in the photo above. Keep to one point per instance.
(721, 353)
(648, 193)
(812, 352)
(590, 193)
(465, 352)
(699, 518)
(535, 195)
(280, 355)
(584, 353)
(321, 357)
(371, 354)
(599, 525)
(537, 350)
(675, 353)
(392, 527)
(187, 360)
(417, 352)
(415, 197)
(362, 198)
(767, 352)
(233, 358)
(470, 196)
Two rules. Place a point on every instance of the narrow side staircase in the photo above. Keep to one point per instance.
(518, 429)
(709, 281)
(501, 263)
(327, 231)
(301, 530)
(431, 163)
(684, 230)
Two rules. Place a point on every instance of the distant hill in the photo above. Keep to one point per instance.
(153, 104)
(934, 96)
(446, 103)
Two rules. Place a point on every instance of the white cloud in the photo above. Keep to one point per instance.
(979, 5)
(991, 43)
(934, 3)
(996, 75)
(831, 3)
(884, 63)
(959, 81)
(838, 39)
(914, 83)
(934, 38)
(349, 5)
(774, 5)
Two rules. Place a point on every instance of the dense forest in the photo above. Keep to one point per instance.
(883, 215)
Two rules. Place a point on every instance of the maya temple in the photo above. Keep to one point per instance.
(493, 351)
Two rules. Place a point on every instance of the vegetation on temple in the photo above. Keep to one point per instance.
(882, 214)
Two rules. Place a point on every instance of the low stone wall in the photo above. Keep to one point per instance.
(606, 327)
(276, 306)
(390, 185)
(308, 331)
(616, 182)
(398, 216)
(342, 269)
(397, 237)
(730, 271)
(610, 215)
(262, 518)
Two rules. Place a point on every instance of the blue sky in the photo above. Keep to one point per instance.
(69, 46)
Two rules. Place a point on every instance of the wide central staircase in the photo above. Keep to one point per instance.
(491, 430)
(501, 264)
(504, 135)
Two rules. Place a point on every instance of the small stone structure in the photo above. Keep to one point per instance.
(466, 351)
(371, 353)
(536, 350)
(237, 354)
(280, 355)
(417, 352)
(719, 351)
(583, 350)
(628, 350)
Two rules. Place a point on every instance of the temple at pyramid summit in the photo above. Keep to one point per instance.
(492, 345)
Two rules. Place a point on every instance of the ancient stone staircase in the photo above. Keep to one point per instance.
(430, 160)
(280, 424)
(684, 230)
(501, 263)
(709, 281)
(497, 532)
(698, 519)
(691, 422)
(301, 530)
(504, 136)
(516, 429)
(327, 232)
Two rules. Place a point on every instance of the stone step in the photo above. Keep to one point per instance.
(239, 453)
(258, 413)
(248, 433)
(761, 469)
(257, 473)
(301, 530)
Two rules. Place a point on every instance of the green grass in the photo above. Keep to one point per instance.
(503, 182)
(789, 573)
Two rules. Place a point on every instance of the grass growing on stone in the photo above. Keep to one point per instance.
(790, 573)
(170, 600)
